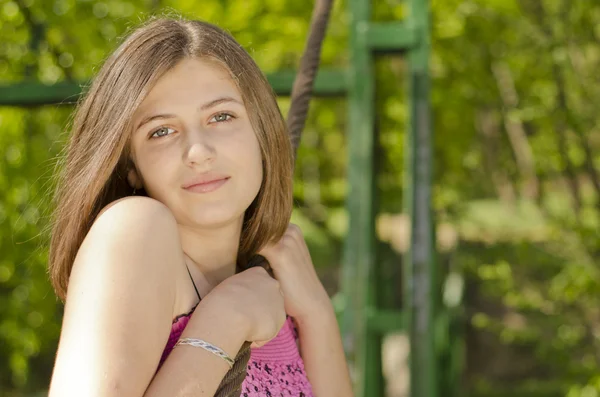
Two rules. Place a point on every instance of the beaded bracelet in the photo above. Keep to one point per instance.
(206, 346)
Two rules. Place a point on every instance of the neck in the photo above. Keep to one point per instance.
(213, 251)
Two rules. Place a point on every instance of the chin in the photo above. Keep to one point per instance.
(216, 217)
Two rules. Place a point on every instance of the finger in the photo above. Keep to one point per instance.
(267, 250)
(274, 254)
(258, 269)
(295, 231)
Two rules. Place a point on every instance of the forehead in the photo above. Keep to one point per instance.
(191, 80)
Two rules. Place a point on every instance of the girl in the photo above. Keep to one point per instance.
(179, 170)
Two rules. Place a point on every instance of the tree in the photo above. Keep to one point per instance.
(516, 157)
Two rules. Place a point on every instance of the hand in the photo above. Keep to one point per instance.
(256, 300)
(303, 293)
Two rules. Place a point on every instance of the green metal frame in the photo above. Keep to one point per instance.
(363, 322)
(421, 287)
(33, 93)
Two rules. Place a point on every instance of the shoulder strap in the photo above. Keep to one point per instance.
(191, 278)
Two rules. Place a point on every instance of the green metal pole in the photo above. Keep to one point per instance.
(361, 346)
(420, 278)
(328, 83)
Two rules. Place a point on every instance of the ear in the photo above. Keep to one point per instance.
(134, 179)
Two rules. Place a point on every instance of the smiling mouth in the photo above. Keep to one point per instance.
(207, 187)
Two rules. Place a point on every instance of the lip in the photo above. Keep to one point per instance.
(206, 183)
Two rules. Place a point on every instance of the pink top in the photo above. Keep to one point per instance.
(275, 369)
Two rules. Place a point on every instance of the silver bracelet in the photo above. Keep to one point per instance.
(206, 346)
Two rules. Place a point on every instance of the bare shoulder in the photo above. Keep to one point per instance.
(127, 231)
(136, 237)
(136, 212)
(120, 299)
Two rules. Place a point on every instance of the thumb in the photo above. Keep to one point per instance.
(267, 250)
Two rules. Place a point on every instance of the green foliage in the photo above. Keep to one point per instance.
(29, 313)
(516, 167)
(53, 41)
(517, 174)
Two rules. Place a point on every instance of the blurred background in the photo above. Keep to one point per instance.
(516, 178)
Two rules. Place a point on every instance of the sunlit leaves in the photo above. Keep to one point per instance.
(537, 258)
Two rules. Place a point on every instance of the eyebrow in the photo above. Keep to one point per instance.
(206, 106)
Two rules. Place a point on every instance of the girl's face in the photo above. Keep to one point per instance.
(194, 147)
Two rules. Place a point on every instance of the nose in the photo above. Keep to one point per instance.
(200, 150)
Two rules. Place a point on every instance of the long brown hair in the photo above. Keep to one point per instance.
(97, 157)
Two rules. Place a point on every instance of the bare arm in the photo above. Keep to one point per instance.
(191, 371)
(119, 308)
(247, 306)
(323, 354)
(307, 302)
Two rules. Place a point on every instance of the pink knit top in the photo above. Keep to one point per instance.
(275, 369)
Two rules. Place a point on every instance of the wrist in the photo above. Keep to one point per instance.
(226, 305)
(217, 326)
(318, 313)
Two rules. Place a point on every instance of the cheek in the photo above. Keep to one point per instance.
(256, 162)
(154, 171)
(249, 159)
(258, 174)
(253, 178)
(244, 149)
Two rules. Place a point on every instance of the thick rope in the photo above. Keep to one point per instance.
(231, 385)
(309, 64)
